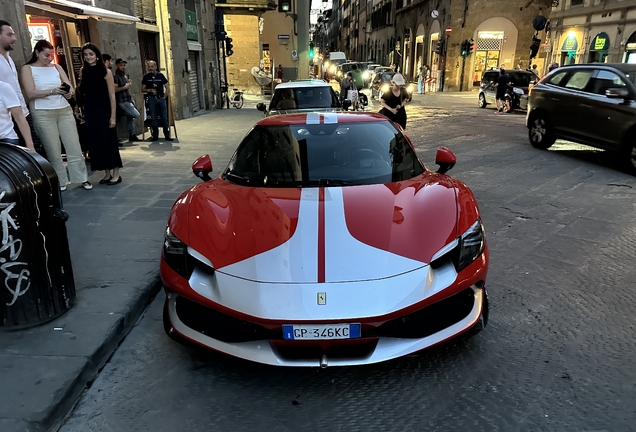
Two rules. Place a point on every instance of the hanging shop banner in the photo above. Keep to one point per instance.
(601, 42)
(192, 29)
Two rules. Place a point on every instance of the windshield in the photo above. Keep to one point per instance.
(304, 98)
(521, 79)
(312, 155)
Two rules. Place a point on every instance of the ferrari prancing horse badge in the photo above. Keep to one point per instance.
(322, 298)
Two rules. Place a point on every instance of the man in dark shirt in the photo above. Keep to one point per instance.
(502, 85)
(124, 99)
(155, 86)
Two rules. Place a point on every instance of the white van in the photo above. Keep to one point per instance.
(336, 58)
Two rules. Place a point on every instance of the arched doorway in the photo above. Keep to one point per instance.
(434, 57)
(630, 50)
(419, 48)
(496, 44)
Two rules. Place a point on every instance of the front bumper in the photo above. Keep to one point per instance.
(379, 342)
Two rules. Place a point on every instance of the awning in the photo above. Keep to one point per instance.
(79, 11)
(570, 44)
(601, 42)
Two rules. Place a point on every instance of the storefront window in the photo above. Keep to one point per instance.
(488, 53)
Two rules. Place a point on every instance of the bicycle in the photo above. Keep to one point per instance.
(236, 101)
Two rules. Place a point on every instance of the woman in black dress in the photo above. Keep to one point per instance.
(393, 101)
(98, 95)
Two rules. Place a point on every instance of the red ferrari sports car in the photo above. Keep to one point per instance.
(325, 242)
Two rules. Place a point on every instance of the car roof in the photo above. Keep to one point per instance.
(623, 67)
(511, 70)
(302, 83)
(318, 117)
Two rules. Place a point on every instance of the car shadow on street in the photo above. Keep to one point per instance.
(600, 157)
(160, 148)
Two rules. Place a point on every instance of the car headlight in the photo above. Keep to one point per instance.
(326, 64)
(385, 88)
(365, 75)
(175, 254)
(332, 69)
(471, 245)
(409, 89)
(339, 73)
(517, 91)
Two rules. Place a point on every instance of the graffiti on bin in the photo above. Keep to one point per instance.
(17, 276)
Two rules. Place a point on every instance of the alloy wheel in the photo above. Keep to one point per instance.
(540, 135)
(482, 101)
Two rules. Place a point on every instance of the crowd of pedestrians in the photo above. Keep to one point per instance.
(43, 112)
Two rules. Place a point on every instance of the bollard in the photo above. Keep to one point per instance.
(36, 276)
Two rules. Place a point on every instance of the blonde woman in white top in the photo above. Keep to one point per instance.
(47, 87)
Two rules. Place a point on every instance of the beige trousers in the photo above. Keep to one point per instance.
(51, 125)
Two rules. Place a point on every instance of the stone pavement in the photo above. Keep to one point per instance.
(115, 235)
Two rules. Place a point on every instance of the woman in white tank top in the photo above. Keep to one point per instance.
(47, 87)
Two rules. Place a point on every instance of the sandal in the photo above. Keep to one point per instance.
(111, 183)
(105, 180)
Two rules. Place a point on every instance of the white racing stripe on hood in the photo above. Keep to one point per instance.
(346, 259)
(330, 118)
(313, 118)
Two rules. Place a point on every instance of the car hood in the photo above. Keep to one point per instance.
(315, 235)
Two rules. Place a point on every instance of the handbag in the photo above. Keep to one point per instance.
(352, 95)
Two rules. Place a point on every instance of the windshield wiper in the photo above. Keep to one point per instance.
(238, 177)
(334, 182)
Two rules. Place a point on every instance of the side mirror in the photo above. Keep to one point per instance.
(202, 167)
(445, 158)
(617, 93)
(261, 107)
(346, 104)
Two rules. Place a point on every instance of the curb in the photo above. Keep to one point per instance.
(53, 418)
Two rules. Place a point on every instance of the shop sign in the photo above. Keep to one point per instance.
(601, 42)
(570, 44)
(192, 28)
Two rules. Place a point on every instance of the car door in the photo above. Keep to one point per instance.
(572, 101)
(488, 84)
(609, 117)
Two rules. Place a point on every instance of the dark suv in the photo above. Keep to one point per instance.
(516, 93)
(592, 104)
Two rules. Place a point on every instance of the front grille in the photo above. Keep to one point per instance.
(219, 326)
(429, 320)
(419, 324)
(353, 348)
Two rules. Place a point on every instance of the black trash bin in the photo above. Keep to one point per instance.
(36, 277)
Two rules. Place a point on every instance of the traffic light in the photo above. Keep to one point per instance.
(534, 48)
(228, 47)
(221, 35)
(471, 44)
(464, 49)
(438, 47)
(284, 5)
(311, 51)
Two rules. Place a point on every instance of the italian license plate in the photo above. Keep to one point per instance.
(320, 332)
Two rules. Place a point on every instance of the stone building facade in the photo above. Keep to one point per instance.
(502, 32)
(583, 31)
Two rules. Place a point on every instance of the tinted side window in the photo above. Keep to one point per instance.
(558, 78)
(603, 81)
(579, 80)
(489, 77)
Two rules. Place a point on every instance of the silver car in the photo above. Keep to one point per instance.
(301, 96)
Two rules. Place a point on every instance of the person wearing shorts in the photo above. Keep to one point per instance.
(501, 85)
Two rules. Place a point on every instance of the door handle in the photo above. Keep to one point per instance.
(586, 105)
(554, 99)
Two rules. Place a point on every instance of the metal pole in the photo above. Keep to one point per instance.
(302, 20)
(461, 79)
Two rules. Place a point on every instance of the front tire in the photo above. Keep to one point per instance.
(239, 104)
(482, 101)
(540, 132)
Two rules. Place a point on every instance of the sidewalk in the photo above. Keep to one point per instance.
(115, 235)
